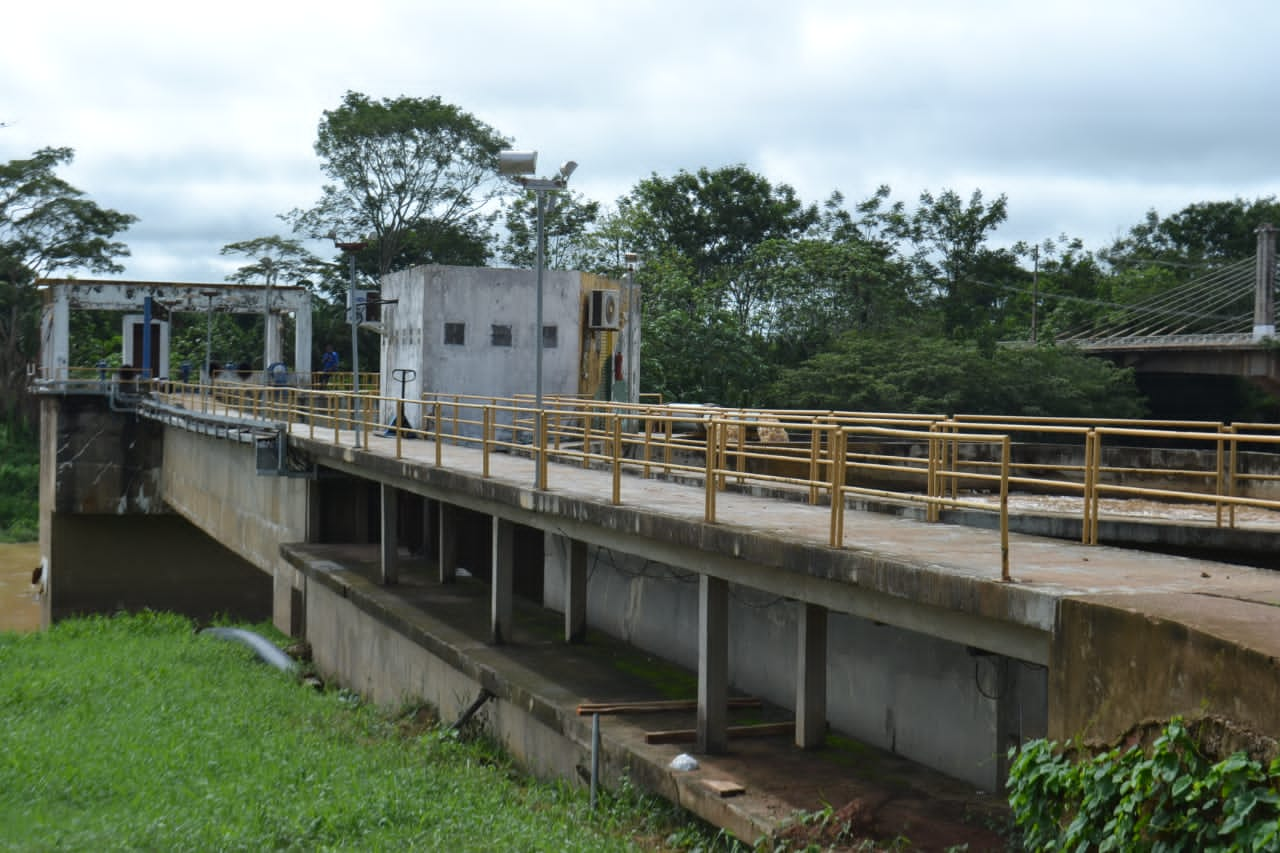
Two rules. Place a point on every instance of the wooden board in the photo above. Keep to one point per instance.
(691, 735)
(659, 705)
(724, 787)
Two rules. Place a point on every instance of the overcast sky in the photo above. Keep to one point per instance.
(200, 118)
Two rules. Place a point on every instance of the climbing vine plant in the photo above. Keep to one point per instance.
(1166, 798)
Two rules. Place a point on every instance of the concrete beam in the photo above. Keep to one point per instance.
(1026, 640)
(713, 664)
(811, 677)
(390, 568)
(503, 580)
(447, 542)
(568, 559)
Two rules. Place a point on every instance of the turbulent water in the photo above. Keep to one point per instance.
(19, 607)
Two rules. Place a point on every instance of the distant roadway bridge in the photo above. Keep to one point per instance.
(1222, 323)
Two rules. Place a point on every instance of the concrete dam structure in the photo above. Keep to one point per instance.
(794, 637)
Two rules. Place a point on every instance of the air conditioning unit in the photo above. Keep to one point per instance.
(604, 310)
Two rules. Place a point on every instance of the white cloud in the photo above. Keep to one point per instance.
(1084, 113)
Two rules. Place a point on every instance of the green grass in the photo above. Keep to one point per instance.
(134, 732)
(19, 488)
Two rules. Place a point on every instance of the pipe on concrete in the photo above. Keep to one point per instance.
(485, 696)
(262, 647)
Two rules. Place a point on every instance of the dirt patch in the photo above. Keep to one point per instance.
(893, 823)
(1217, 737)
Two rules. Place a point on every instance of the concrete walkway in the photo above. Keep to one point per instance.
(889, 795)
(1044, 570)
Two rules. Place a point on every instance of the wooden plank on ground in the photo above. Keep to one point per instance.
(724, 787)
(691, 735)
(658, 705)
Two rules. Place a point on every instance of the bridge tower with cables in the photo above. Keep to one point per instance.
(1264, 299)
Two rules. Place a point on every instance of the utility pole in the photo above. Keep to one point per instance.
(1264, 295)
(1035, 289)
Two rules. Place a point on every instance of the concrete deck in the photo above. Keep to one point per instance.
(879, 549)
(545, 678)
(1148, 618)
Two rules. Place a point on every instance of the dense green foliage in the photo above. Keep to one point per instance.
(133, 732)
(907, 373)
(46, 226)
(412, 175)
(1168, 798)
(752, 295)
(19, 487)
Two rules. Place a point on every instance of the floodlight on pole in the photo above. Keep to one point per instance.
(353, 314)
(518, 165)
(208, 347)
(269, 268)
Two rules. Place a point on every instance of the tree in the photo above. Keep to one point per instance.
(878, 372)
(567, 228)
(713, 219)
(949, 238)
(1198, 237)
(46, 226)
(407, 173)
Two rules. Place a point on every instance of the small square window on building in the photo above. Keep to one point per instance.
(455, 334)
(550, 337)
(501, 335)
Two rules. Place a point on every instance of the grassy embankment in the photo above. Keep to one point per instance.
(134, 732)
(19, 488)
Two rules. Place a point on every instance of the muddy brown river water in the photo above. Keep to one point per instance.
(19, 607)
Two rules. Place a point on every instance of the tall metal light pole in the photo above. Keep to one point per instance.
(633, 372)
(353, 314)
(208, 345)
(518, 165)
(269, 267)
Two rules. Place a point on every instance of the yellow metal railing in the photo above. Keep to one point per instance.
(824, 457)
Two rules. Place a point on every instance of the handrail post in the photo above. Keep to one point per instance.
(439, 437)
(709, 461)
(399, 426)
(617, 459)
(1087, 492)
(1095, 500)
(486, 432)
(815, 443)
(586, 438)
(648, 443)
(932, 492)
(1231, 474)
(540, 420)
(1220, 479)
(742, 449)
(1004, 509)
(839, 459)
(364, 426)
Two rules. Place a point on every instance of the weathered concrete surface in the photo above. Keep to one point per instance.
(98, 461)
(426, 640)
(1118, 660)
(938, 580)
(215, 484)
(104, 563)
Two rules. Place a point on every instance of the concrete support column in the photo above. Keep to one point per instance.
(504, 559)
(447, 542)
(1264, 296)
(811, 677)
(390, 535)
(430, 526)
(55, 349)
(575, 592)
(302, 340)
(713, 664)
